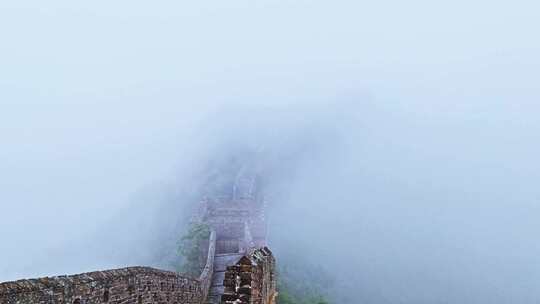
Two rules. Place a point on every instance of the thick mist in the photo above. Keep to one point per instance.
(399, 141)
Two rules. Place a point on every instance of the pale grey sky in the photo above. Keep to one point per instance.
(434, 107)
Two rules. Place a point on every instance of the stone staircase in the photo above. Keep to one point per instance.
(221, 261)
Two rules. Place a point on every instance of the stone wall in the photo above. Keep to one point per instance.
(133, 285)
(240, 224)
(205, 278)
(252, 280)
(238, 228)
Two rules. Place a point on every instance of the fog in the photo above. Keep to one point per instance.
(400, 140)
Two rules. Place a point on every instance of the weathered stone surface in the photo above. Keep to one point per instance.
(252, 280)
(137, 285)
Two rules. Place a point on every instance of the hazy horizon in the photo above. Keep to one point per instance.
(402, 139)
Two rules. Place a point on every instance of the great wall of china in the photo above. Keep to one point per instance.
(239, 267)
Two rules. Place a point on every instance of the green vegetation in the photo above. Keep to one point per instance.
(302, 286)
(190, 249)
(285, 297)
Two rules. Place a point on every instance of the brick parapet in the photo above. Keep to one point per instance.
(206, 275)
(252, 280)
(132, 285)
